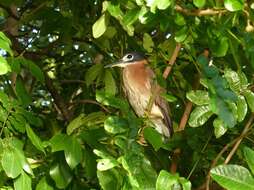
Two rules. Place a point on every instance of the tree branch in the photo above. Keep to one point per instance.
(202, 12)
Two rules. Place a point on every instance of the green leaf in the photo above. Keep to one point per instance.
(110, 179)
(198, 97)
(43, 185)
(4, 66)
(234, 5)
(115, 125)
(199, 3)
(219, 127)
(140, 172)
(148, 43)
(5, 43)
(249, 157)
(73, 152)
(199, 116)
(92, 73)
(61, 174)
(220, 47)
(233, 80)
(233, 177)
(131, 16)
(75, 124)
(99, 27)
(110, 85)
(160, 4)
(23, 182)
(22, 93)
(242, 108)
(34, 69)
(169, 97)
(36, 141)
(153, 137)
(59, 142)
(166, 180)
(250, 99)
(12, 167)
(181, 35)
(106, 164)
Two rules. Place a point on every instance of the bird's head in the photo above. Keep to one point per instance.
(128, 59)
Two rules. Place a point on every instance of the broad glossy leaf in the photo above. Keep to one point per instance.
(153, 137)
(61, 174)
(4, 66)
(166, 180)
(219, 128)
(92, 73)
(59, 142)
(99, 27)
(181, 35)
(115, 125)
(20, 157)
(110, 179)
(5, 43)
(242, 108)
(131, 16)
(220, 47)
(24, 181)
(110, 84)
(75, 124)
(186, 184)
(73, 152)
(148, 42)
(160, 4)
(36, 141)
(140, 172)
(233, 177)
(199, 3)
(18, 125)
(249, 157)
(198, 97)
(106, 164)
(12, 167)
(199, 116)
(233, 80)
(43, 185)
(234, 5)
(249, 95)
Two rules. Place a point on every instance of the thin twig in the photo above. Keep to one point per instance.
(72, 81)
(202, 12)
(244, 132)
(172, 61)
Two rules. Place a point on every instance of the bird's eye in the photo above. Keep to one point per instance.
(130, 57)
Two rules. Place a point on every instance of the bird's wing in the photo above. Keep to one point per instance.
(164, 108)
(161, 103)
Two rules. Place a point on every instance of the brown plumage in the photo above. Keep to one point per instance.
(139, 83)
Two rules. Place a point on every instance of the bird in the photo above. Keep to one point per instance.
(139, 84)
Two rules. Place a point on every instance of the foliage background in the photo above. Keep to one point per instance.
(65, 123)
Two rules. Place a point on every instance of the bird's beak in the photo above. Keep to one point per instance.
(117, 64)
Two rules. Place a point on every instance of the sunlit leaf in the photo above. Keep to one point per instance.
(242, 108)
(234, 5)
(219, 127)
(250, 99)
(233, 177)
(148, 42)
(199, 116)
(43, 185)
(198, 97)
(24, 181)
(106, 164)
(34, 138)
(166, 180)
(249, 157)
(115, 125)
(4, 66)
(199, 3)
(99, 27)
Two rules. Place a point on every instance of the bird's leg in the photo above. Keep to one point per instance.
(141, 139)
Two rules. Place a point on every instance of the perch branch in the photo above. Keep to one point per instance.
(202, 12)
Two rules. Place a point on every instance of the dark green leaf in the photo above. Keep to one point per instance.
(22, 93)
(92, 73)
(110, 85)
(75, 124)
(61, 174)
(34, 69)
(153, 137)
(110, 179)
